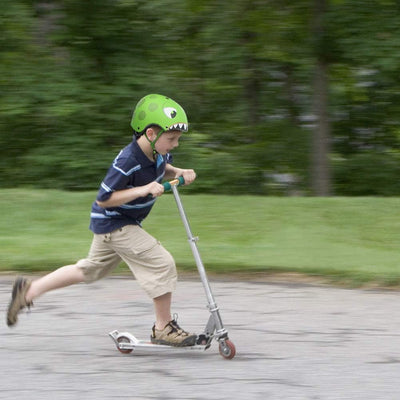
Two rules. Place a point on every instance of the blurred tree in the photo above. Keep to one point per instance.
(244, 72)
(365, 92)
(321, 143)
(265, 85)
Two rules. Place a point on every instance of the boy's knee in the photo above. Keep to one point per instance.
(90, 271)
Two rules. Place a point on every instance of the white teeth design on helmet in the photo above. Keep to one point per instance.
(179, 126)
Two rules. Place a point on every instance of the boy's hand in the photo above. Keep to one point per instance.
(188, 175)
(154, 189)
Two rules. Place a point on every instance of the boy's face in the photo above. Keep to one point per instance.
(168, 141)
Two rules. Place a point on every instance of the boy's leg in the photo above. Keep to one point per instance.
(100, 261)
(24, 291)
(61, 277)
(155, 270)
(162, 309)
(166, 330)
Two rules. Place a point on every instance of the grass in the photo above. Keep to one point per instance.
(352, 240)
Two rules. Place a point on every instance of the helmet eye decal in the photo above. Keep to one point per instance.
(170, 112)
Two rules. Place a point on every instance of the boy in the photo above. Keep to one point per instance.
(126, 196)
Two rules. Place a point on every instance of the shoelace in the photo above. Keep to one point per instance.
(175, 327)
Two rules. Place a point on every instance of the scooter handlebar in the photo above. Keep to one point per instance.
(175, 182)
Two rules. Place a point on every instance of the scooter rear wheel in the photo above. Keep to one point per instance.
(227, 349)
(124, 339)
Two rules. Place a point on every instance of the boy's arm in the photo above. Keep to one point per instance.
(124, 196)
(172, 172)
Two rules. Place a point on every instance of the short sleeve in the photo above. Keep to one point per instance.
(118, 176)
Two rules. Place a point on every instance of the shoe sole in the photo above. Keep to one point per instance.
(189, 341)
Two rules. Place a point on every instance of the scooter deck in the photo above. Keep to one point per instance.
(126, 342)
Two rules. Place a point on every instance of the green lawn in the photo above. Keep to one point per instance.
(348, 239)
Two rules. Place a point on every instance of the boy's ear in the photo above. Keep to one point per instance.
(152, 133)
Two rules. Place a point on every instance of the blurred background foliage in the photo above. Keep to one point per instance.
(71, 72)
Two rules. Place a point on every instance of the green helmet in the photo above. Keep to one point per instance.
(155, 109)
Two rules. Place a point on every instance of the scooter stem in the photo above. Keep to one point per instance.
(199, 263)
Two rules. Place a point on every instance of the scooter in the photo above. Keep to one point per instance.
(214, 329)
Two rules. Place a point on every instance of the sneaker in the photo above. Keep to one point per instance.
(18, 301)
(173, 335)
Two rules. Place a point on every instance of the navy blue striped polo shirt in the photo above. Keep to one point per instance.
(129, 169)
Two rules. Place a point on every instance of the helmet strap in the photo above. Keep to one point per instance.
(153, 143)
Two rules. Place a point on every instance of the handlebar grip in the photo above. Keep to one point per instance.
(176, 182)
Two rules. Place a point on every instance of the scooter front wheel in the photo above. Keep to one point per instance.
(227, 349)
(124, 339)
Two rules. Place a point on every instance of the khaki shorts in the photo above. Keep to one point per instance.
(152, 265)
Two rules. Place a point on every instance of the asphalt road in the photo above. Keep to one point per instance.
(293, 341)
